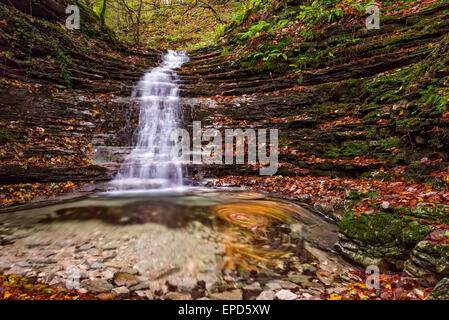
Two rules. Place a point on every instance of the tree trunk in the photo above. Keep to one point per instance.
(103, 13)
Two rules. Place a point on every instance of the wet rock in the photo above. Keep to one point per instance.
(95, 265)
(107, 275)
(394, 236)
(266, 295)
(35, 245)
(308, 296)
(304, 281)
(356, 253)
(323, 236)
(441, 291)
(11, 238)
(227, 295)
(273, 285)
(57, 283)
(329, 209)
(141, 286)
(110, 247)
(166, 271)
(115, 264)
(252, 289)
(285, 295)
(132, 271)
(83, 274)
(141, 293)
(304, 197)
(41, 262)
(187, 285)
(85, 247)
(125, 279)
(109, 254)
(121, 291)
(22, 264)
(93, 274)
(142, 278)
(177, 296)
(288, 285)
(19, 271)
(4, 265)
(307, 269)
(48, 277)
(90, 259)
(324, 277)
(298, 278)
(97, 285)
(427, 259)
(212, 285)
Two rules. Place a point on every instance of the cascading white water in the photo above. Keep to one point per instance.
(152, 163)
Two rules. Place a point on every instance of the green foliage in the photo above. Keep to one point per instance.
(384, 229)
(254, 31)
(241, 13)
(362, 195)
(417, 172)
(349, 149)
(63, 61)
(267, 53)
(389, 143)
(319, 11)
(437, 97)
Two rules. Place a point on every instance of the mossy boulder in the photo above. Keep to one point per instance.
(383, 239)
(428, 259)
(441, 291)
(383, 229)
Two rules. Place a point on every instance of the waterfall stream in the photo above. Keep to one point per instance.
(152, 164)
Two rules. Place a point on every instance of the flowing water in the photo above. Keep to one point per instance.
(166, 237)
(153, 164)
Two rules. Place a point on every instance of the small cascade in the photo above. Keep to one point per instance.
(152, 164)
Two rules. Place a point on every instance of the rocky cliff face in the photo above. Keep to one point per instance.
(351, 110)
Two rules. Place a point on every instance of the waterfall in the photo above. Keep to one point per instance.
(152, 164)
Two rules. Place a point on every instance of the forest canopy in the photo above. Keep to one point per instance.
(165, 23)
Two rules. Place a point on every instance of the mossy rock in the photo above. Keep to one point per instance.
(349, 149)
(417, 171)
(438, 213)
(383, 229)
(383, 237)
(441, 291)
(428, 259)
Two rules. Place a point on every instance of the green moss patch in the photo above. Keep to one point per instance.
(387, 229)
